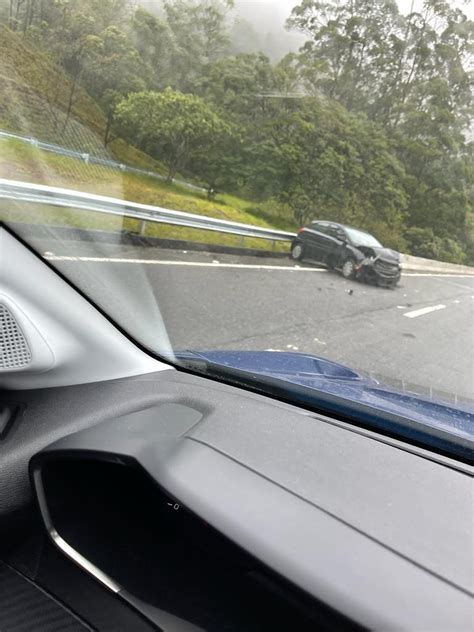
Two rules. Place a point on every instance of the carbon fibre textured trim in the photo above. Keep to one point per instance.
(26, 608)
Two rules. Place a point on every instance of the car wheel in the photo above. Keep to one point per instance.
(348, 269)
(297, 251)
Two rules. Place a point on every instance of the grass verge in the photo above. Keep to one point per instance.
(21, 161)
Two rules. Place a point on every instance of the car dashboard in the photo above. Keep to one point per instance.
(197, 505)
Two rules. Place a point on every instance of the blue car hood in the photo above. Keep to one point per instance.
(333, 378)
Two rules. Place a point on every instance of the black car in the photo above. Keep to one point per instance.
(358, 255)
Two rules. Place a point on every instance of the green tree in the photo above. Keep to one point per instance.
(171, 126)
(217, 164)
(236, 85)
(177, 44)
(243, 37)
(199, 35)
(370, 58)
(422, 242)
(338, 166)
(349, 47)
(153, 39)
(67, 31)
(112, 69)
(411, 75)
(68, 41)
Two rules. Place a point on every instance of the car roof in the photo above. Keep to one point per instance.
(327, 221)
(330, 222)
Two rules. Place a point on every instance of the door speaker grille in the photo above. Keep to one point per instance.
(14, 350)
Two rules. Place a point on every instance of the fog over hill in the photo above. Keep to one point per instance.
(259, 25)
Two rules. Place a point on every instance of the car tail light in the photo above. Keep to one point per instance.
(300, 230)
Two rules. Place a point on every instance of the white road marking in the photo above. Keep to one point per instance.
(320, 342)
(423, 311)
(439, 275)
(202, 264)
(216, 264)
(463, 286)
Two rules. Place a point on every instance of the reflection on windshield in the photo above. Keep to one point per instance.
(248, 125)
(359, 238)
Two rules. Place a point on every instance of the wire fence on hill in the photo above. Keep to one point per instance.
(90, 159)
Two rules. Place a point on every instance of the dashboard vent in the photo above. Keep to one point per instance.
(14, 350)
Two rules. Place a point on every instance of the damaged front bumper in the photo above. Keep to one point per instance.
(378, 270)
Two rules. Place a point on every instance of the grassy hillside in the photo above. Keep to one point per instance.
(33, 102)
(34, 98)
(20, 161)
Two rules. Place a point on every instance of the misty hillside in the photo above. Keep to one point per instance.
(255, 26)
(260, 26)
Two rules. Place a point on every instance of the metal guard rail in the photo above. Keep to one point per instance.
(68, 198)
(89, 158)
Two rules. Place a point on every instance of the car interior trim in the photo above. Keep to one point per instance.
(63, 546)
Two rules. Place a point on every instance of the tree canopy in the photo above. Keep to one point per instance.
(370, 122)
(172, 126)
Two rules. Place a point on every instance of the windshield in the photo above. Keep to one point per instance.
(359, 238)
(164, 155)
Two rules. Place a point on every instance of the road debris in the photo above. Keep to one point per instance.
(320, 342)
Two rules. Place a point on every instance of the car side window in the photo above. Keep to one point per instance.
(321, 227)
(335, 231)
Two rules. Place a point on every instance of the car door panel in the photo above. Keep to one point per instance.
(328, 244)
(336, 251)
(311, 242)
(317, 240)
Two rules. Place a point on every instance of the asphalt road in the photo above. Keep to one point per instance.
(419, 336)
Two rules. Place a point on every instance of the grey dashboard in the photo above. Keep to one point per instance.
(377, 532)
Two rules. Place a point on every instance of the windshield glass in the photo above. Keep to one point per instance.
(166, 156)
(359, 238)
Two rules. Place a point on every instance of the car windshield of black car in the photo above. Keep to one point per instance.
(360, 238)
